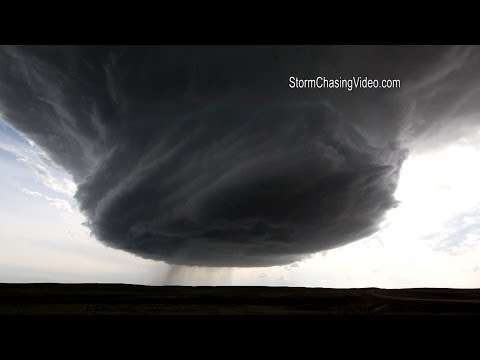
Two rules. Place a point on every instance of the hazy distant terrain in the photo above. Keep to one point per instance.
(106, 299)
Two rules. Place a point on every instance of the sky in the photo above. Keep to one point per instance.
(207, 178)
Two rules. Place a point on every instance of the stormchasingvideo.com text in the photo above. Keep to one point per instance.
(349, 84)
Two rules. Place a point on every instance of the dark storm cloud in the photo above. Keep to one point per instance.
(205, 156)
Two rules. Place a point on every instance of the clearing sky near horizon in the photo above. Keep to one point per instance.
(206, 157)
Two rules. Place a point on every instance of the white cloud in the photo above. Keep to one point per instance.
(290, 267)
(60, 204)
(31, 193)
(64, 185)
(26, 151)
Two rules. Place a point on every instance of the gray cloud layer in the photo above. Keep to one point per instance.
(205, 156)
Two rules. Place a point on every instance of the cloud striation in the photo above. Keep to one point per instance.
(204, 156)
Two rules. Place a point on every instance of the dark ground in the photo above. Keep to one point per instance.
(112, 299)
